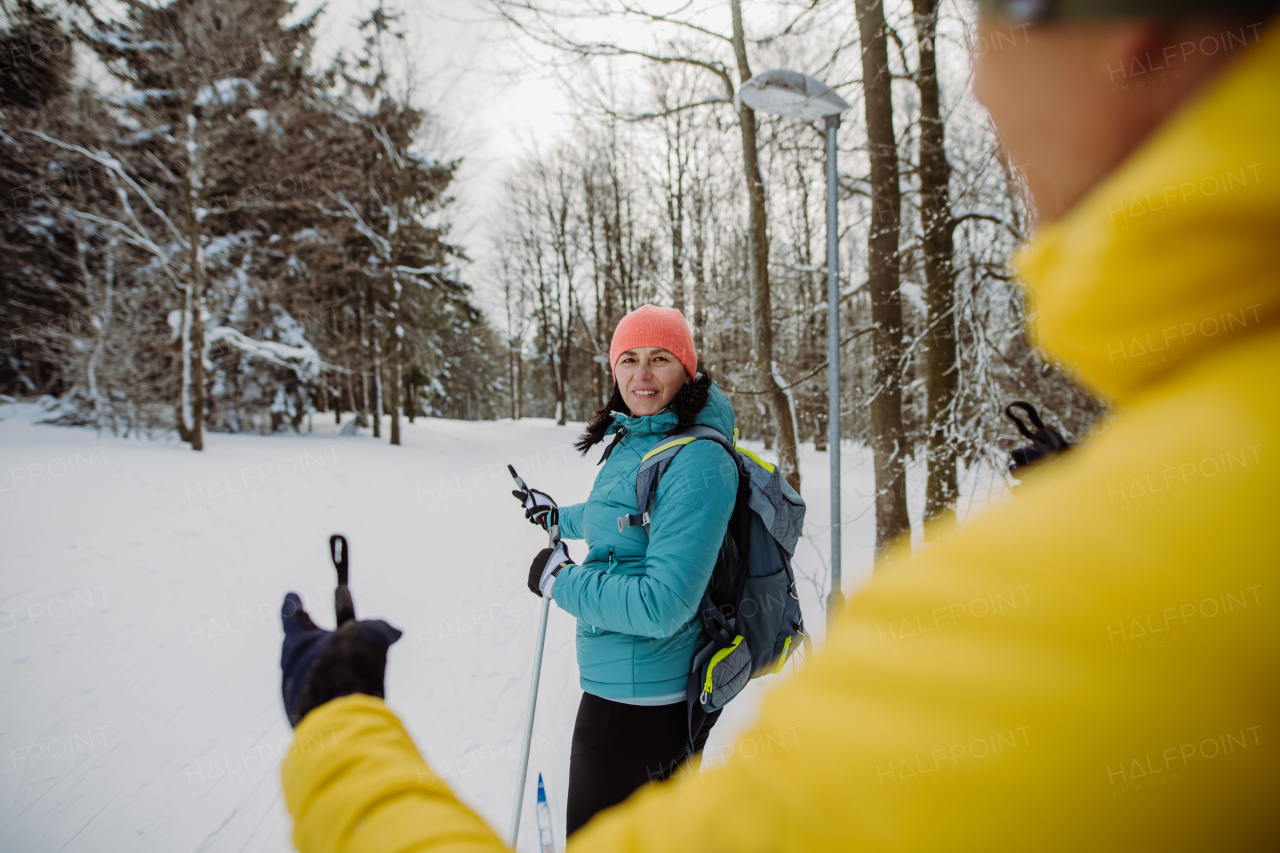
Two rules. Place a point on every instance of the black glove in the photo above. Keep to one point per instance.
(320, 665)
(545, 567)
(538, 506)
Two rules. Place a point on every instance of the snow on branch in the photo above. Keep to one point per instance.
(361, 226)
(130, 236)
(300, 359)
(127, 42)
(226, 92)
(114, 166)
(141, 98)
(392, 152)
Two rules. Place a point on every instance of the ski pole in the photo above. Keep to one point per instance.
(553, 533)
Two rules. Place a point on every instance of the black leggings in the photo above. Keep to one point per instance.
(617, 748)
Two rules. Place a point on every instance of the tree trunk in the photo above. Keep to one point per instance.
(197, 377)
(675, 213)
(939, 248)
(813, 407)
(191, 405)
(758, 254)
(599, 377)
(397, 394)
(364, 397)
(519, 402)
(38, 380)
(397, 373)
(559, 353)
(351, 398)
(566, 321)
(396, 397)
(375, 359)
(101, 316)
(888, 441)
(699, 271)
(562, 392)
(511, 377)
(677, 254)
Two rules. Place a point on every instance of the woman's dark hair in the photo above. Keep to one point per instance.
(687, 402)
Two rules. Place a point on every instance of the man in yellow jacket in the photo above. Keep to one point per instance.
(1095, 664)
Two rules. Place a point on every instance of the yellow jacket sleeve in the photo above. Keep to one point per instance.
(354, 781)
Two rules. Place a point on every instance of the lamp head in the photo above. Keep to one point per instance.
(790, 94)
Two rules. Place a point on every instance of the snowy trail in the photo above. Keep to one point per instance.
(139, 627)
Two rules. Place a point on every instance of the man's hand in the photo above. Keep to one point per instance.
(320, 665)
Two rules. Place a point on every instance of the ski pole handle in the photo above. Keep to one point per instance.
(344, 608)
(553, 529)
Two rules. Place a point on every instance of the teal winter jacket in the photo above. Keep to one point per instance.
(635, 595)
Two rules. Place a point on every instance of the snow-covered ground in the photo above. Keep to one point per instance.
(139, 627)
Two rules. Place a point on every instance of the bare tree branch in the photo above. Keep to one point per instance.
(956, 221)
(714, 99)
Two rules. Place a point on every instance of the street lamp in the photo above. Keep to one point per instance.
(807, 99)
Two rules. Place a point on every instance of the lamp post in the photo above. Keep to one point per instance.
(807, 99)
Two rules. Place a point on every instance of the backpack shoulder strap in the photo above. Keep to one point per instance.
(654, 464)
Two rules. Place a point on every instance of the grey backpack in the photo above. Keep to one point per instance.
(751, 609)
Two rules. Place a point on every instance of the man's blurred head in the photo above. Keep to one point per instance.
(1074, 86)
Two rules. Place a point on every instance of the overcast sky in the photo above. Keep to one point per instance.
(491, 101)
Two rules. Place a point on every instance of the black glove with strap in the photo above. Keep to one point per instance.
(320, 665)
(545, 567)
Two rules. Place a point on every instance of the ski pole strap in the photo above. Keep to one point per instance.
(1045, 440)
(1044, 437)
(636, 519)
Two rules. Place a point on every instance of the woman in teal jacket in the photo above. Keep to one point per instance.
(636, 596)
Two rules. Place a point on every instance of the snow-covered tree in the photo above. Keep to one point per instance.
(205, 196)
(204, 88)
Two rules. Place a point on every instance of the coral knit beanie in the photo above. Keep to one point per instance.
(651, 326)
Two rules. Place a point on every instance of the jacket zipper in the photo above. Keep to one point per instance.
(612, 563)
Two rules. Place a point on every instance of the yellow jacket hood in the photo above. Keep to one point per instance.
(1179, 249)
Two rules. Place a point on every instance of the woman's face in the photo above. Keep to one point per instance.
(648, 378)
